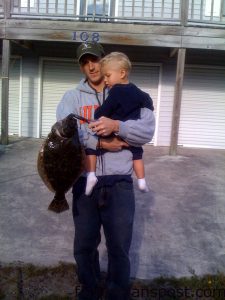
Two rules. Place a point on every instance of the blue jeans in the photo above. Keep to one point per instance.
(116, 216)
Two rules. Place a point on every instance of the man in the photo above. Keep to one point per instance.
(111, 203)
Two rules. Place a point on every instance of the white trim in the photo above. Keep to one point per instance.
(19, 57)
(20, 97)
(205, 67)
(43, 58)
(158, 106)
(200, 146)
(40, 92)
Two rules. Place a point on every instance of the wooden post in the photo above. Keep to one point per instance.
(177, 101)
(7, 8)
(5, 90)
(184, 12)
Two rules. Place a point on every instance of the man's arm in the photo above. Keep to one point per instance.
(138, 132)
(134, 132)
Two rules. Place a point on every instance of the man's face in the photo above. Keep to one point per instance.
(90, 66)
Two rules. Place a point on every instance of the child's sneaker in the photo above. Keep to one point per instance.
(142, 185)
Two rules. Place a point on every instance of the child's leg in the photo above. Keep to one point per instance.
(91, 177)
(140, 173)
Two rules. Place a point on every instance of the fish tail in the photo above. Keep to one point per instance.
(59, 203)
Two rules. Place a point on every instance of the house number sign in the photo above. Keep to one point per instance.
(84, 36)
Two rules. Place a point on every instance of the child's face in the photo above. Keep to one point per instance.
(113, 75)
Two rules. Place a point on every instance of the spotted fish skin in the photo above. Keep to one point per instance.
(61, 160)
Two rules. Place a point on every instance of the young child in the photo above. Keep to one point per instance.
(123, 103)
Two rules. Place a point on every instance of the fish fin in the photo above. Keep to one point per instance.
(58, 205)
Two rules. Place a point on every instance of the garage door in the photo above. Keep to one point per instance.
(59, 76)
(14, 96)
(203, 108)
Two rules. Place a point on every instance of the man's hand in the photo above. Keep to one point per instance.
(112, 144)
(104, 126)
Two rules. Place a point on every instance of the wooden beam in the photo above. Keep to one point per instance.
(177, 101)
(24, 44)
(5, 90)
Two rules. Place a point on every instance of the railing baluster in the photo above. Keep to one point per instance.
(222, 10)
(212, 9)
(133, 4)
(74, 7)
(153, 7)
(123, 8)
(184, 11)
(201, 10)
(28, 6)
(172, 10)
(162, 9)
(56, 6)
(143, 8)
(104, 8)
(94, 8)
(112, 12)
(65, 7)
(47, 6)
(192, 9)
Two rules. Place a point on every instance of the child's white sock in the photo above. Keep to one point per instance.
(91, 182)
(142, 185)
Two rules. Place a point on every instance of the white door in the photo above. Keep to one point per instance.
(58, 77)
(202, 121)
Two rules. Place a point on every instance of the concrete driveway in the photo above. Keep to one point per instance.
(179, 225)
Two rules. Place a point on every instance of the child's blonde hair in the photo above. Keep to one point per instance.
(119, 58)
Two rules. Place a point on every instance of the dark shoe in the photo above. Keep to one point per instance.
(90, 294)
(114, 292)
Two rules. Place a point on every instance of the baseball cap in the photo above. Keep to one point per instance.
(92, 48)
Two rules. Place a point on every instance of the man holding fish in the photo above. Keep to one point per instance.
(112, 203)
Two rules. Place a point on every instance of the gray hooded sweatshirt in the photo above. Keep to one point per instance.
(83, 100)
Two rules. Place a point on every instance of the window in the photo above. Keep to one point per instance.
(25, 3)
(98, 7)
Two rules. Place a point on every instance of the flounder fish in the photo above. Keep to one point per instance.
(61, 160)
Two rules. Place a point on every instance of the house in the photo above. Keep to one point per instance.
(177, 48)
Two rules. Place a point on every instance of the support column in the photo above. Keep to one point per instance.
(5, 91)
(177, 101)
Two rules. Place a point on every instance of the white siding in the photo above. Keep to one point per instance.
(29, 104)
(14, 96)
(202, 121)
